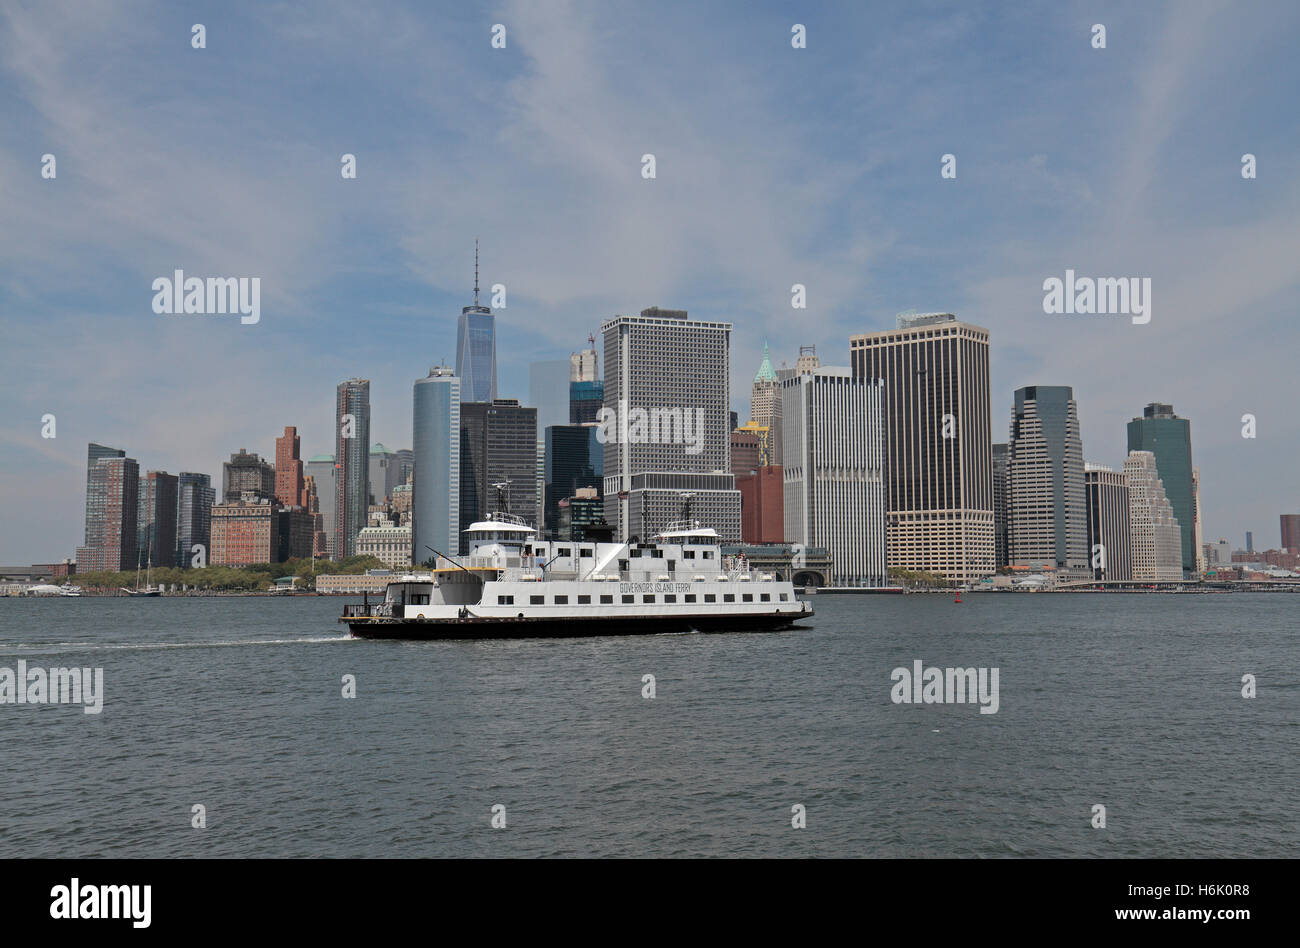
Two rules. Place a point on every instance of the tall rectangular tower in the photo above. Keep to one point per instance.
(288, 470)
(156, 518)
(833, 476)
(1110, 554)
(352, 462)
(1047, 523)
(194, 499)
(112, 506)
(435, 502)
(666, 423)
(938, 449)
(498, 461)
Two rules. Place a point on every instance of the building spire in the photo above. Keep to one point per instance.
(475, 271)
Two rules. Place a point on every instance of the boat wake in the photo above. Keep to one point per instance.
(24, 648)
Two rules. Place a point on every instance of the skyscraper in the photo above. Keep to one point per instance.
(93, 453)
(288, 470)
(586, 388)
(323, 472)
(352, 460)
(498, 461)
(382, 474)
(667, 432)
(1153, 529)
(246, 473)
(834, 491)
(1290, 525)
(194, 499)
(574, 460)
(112, 506)
(765, 406)
(476, 349)
(1000, 505)
(1047, 522)
(1110, 553)
(1169, 439)
(435, 501)
(938, 450)
(156, 505)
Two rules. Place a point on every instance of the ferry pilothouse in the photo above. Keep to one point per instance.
(512, 585)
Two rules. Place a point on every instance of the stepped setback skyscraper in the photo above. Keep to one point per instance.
(1169, 439)
(1153, 528)
(939, 468)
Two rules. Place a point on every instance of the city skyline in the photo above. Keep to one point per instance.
(367, 276)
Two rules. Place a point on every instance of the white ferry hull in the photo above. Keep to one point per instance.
(571, 626)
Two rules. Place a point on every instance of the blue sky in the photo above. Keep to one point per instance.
(774, 166)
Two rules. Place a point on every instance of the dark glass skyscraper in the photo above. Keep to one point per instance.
(352, 463)
(1169, 438)
(476, 349)
(156, 518)
(194, 499)
(938, 445)
(574, 458)
(498, 445)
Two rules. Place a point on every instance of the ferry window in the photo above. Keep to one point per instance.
(729, 597)
(708, 554)
(564, 551)
(690, 597)
(709, 597)
(606, 600)
(584, 552)
(688, 554)
(622, 565)
(636, 552)
(784, 597)
(505, 600)
(764, 597)
(747, 597)
(658, 554)
(629, 598)
(561, 600)
(647, 598)
(670, 598)
(536, 600)
(584, 600)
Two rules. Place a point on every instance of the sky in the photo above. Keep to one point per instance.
(773, 166)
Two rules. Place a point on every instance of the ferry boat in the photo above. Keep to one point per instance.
(513, 585)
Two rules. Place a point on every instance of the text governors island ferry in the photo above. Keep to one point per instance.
(512, 585)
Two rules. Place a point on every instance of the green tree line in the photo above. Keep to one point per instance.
(253, 578)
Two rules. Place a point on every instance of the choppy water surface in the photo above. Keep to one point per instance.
(1130, 701)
